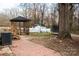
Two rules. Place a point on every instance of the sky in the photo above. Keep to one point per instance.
(8, 4)
(13, 3)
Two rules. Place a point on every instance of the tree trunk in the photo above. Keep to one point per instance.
(78, 17)
(71, 16)
(64, 27)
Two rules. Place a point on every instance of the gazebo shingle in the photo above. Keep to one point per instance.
(19, 19)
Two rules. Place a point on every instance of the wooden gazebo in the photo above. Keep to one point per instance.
(20, 25)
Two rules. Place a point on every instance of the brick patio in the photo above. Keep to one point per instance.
(23, 47)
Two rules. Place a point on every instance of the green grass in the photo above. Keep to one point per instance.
(40, 34)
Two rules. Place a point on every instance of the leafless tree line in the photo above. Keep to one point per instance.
(40, 13)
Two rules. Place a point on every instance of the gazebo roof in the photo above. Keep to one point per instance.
(20, 19)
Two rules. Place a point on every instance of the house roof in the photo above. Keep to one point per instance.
(19, 19)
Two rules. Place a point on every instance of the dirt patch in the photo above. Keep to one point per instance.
(65, 47)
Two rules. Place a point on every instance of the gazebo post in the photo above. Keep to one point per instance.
(24, 26)
(27, 28)
(14, 28)
(19, 28)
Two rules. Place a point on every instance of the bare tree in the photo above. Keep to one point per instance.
(30, 10)
(43, 8)
(34, 11)
(78, 16)
(71, 15)
(64, 17)
(53, 15)
(11, 13)
(25, 9)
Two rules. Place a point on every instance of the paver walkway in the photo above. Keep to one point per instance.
(23, 47)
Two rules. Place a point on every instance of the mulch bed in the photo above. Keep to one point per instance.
(65, 47)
